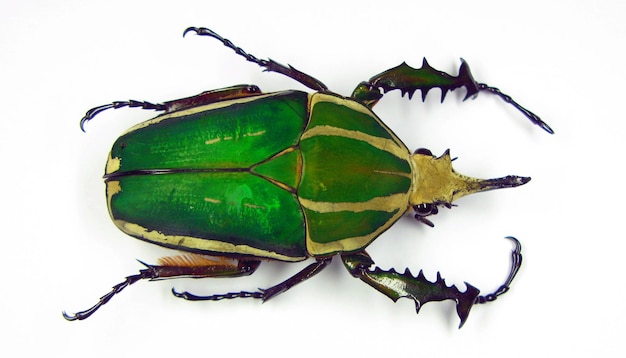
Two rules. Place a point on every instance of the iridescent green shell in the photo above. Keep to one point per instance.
(284, 176)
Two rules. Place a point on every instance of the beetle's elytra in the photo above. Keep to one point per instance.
(235, 175)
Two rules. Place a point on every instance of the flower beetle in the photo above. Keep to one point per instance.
(235, 176)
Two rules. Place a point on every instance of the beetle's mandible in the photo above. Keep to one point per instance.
(234, 176)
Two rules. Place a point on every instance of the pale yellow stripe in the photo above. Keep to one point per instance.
(383, 144)
(355, 106)
(186, 243)
(342, 101)
(400, 174)
(113, 187)
(382, 203)
(113, 164)
(217, 140)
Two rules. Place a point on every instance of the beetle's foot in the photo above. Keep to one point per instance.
(506, 98)
(189, 265)
(143, 274)
(516, 263)
(119, 104)
(225, 296)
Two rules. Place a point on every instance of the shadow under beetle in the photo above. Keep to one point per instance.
(235, 176)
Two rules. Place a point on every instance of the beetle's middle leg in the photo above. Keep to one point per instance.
(269, 65)
(264, 294)
(189, 265)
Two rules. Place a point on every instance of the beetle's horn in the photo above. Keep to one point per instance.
(471, 185)
(437, 182)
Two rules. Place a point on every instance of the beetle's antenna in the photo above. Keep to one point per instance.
(506, 98)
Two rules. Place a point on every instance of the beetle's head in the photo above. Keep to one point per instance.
(437, 184)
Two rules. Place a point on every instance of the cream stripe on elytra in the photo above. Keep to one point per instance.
(182, 242)
(383, 144)
(198, 109)
(383, 203)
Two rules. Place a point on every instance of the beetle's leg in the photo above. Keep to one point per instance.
(207, 97)
(408, 80)
(203, 98)
(269, 65)
(119, 104)
(264, 294)
(190, 265)
(516, 263)
(397, 285)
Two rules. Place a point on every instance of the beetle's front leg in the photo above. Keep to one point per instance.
(397, 285)
(408, 80)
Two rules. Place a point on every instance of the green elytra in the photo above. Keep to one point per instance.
(242, 176)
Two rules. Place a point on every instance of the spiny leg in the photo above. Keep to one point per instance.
(397, 285)
(408, 80)
(269, 65)
(203, 98)
(264, 294)
(191, 265)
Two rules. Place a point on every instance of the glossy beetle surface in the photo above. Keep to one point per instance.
(234, 176)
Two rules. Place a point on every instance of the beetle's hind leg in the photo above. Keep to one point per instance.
(264, 294)
(119, 104)
(269, 65)
(190, 265)
(204, 98)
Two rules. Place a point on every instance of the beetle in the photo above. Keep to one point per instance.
(235, 176)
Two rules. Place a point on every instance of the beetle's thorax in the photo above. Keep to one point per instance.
(436, 182)
(434, 179)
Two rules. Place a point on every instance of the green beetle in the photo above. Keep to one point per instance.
(235, 176)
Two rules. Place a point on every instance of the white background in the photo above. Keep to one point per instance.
(562, 59)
